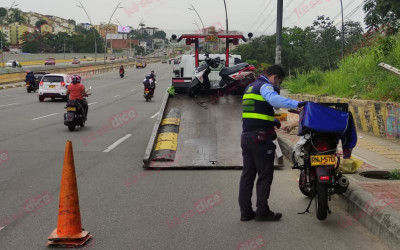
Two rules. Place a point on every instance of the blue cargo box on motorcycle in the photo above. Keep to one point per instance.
(182, 84)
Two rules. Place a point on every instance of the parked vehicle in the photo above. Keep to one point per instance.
(75, 115)
(233, 79)
(316, 154)
(164, 60)
(112, 58)
(76, 61)
(12, 63)
(54, 86)
(50, 61)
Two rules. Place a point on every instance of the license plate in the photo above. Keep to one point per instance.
(71, 109)
(318, 160)
(52, 86)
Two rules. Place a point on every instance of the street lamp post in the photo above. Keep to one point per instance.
(94, 33)
(12, 5)
(194, 9)
(341, 4)
(105, 38)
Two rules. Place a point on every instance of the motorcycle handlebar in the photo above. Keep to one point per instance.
(294, 111)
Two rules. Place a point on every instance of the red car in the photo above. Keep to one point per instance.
(50, 61)
(76, 61)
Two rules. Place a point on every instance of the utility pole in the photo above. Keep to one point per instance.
(64, 48)
(278, 51)
(341, 4)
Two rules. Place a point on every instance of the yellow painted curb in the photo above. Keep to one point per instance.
(171, 121)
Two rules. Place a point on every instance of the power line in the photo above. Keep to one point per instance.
(265, 19)
(266, 6)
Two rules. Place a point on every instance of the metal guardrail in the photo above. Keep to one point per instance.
(390, 68)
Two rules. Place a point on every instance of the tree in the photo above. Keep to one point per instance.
(380, 12)
(82, 30)
(40, 23)
(326, 43)
(3, 14)
(16, 16)
(160, 35)
(71, 21)
(33, 42)
(353, 34)
(4, 39)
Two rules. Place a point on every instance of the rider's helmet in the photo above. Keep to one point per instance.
(148, 76)
(152, 72)
(76, 79)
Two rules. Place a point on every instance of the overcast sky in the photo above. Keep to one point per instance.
(173, 16)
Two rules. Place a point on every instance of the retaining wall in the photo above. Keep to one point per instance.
(373, 117)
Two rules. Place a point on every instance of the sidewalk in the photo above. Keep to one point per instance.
(373, 202)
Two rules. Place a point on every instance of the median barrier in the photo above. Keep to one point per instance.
(373, 117)
(88, 69)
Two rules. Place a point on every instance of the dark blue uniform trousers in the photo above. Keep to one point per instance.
(258, 158)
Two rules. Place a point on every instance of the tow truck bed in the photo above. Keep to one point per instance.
(208, 134)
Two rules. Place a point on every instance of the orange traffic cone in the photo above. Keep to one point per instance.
(69, 228)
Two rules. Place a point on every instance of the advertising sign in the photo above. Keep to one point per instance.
(124, 29)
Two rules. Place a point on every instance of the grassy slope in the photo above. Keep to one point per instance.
(358, 75)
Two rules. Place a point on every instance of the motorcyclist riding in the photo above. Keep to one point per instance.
(30, 77)
(149, 83)
(76, 91)
(153, 76)
(121, 69)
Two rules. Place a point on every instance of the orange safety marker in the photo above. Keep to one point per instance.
(69, 232)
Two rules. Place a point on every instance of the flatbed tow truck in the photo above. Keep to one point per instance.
(197, 133)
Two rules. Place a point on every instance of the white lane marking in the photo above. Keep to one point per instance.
(43, 116)
(92, 103)
(116, 96)
(6, 105)
(115, 144)
(155, 115)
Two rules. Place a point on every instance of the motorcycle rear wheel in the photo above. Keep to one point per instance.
(321, 201)
(71, 127)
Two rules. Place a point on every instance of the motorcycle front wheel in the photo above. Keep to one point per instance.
(321, 201)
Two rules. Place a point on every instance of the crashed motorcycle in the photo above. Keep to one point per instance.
(75, 115)
(316, 153)
(233, 79)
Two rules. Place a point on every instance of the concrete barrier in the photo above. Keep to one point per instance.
(373, 117)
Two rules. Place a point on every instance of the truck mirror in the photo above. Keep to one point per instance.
(173, 37)
(235, 41)
(250, 35)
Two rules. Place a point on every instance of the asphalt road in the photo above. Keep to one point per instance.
(125, 207)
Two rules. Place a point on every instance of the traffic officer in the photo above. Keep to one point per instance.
(258, 150)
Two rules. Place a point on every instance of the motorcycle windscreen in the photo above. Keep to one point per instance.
(70, 116)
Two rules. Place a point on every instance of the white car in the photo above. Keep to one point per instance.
(9, 63)
(54, 86)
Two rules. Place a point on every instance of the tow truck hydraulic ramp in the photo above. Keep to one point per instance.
(196, 133)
